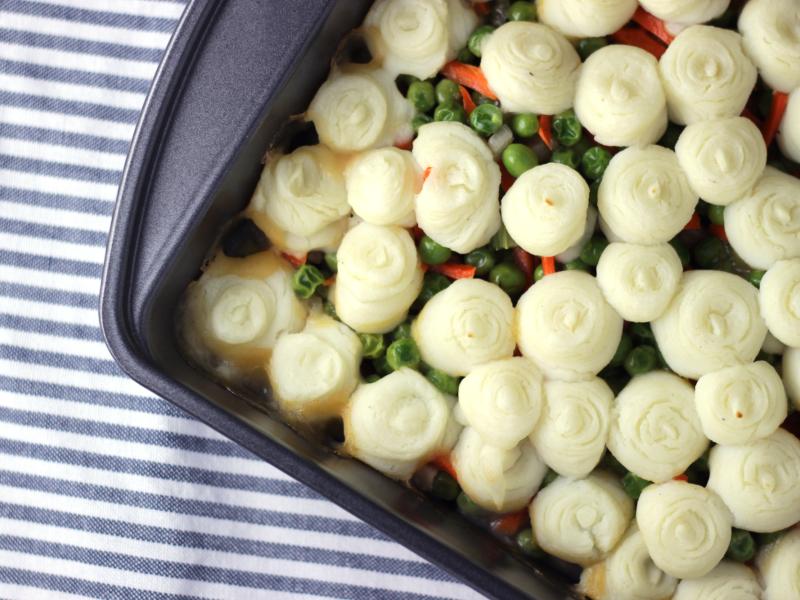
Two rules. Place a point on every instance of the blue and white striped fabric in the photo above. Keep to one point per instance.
(105, 490)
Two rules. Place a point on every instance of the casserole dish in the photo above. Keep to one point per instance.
(234, 73)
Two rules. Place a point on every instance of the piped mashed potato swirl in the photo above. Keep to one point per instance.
(545, 209)
(619, 97)
(502, 400)
(496, 479)
(771, 31)
(722, 158)
(686, 528)
(639, 281)
(573, 428)
(644, 196)
(565, 325)
(706, 75)
(779, 565)
(779, 297)
(713, 322)
(741, 404)
(301, 201)
(581, 520)
(727, 581)
(789, 133)
(685, 12)
(627, 574)
(359, 107)
(531, 68)
(398, 423)
(313, 372)
(585, 18)
(381, 185)
(763, 227)
(655, 431)
(758, 481)
(458, 205)
(378, 277)
(466, 325)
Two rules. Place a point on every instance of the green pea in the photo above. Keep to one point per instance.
(381, 365)
(526, 542)
(525, 125)
(444, 382)
(372, 378)
(588, 46)
(566, 156)
(478, 37)
(509, 277)
(716, 214)
(567, 129)
(682, 250)
(549, 478)
(306, 280)
(468, 508)
(466, 56)
(594, 189)
(522, 11)
(433, 253)
(431, 285)
(590, 254)
(331, 262)
(576, 265)
(538, 272)
(742, 547)
(419, 120)
(634, 485)
(670, 137)
(518, 158)
(623, 349)
(482, 259)
(329, 309)
(422, 96)
(450, 112)
(709, 253)
(641, 360)
(373, 344)
(403, 353)
(594, 162)
(486, 119)
(643, 333)
(502, 240)
(445, 487)
(755, 276)
(401, 331)
(447, 92)
(481, 99)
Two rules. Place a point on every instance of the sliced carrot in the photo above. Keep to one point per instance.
(425, 174)
(548, 265)
(694, 223)
(416, 233)
(405, 144)
(776, 110)
(455, 270)
(295, 261)
(443, 463)
(653, 25)
(546, 130)
(506, 179)
(481, 8)
(511, 523)
(469, 76)
(329, 281)
(681, 477)
(525, 262)
(718, 231)
(633, 36)
(469, 103)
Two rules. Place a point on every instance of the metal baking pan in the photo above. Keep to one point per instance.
(233, 74)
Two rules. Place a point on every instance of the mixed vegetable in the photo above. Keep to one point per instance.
(544, 264)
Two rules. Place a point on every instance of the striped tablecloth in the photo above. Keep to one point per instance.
(105, 490)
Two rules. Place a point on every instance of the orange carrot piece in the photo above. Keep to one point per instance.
(404, 145)
(469, 76)
(524, 261)
(694, 223)
(548, 265)
(469, 104)
(546, 130)
(511, 523)
(455, 270)
(329, 281)
(443, 463)
(776, 110)
(718, 231)
(416, 233)
(425, 174)
(481, 8)
(293, 260)
(681, 477)
(653, 25)
(633, 36)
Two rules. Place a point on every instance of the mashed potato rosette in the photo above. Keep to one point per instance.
(727, 581)
(685, 12)
(771, 31)
(779, 566)
(779, 297)
(585, 18)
